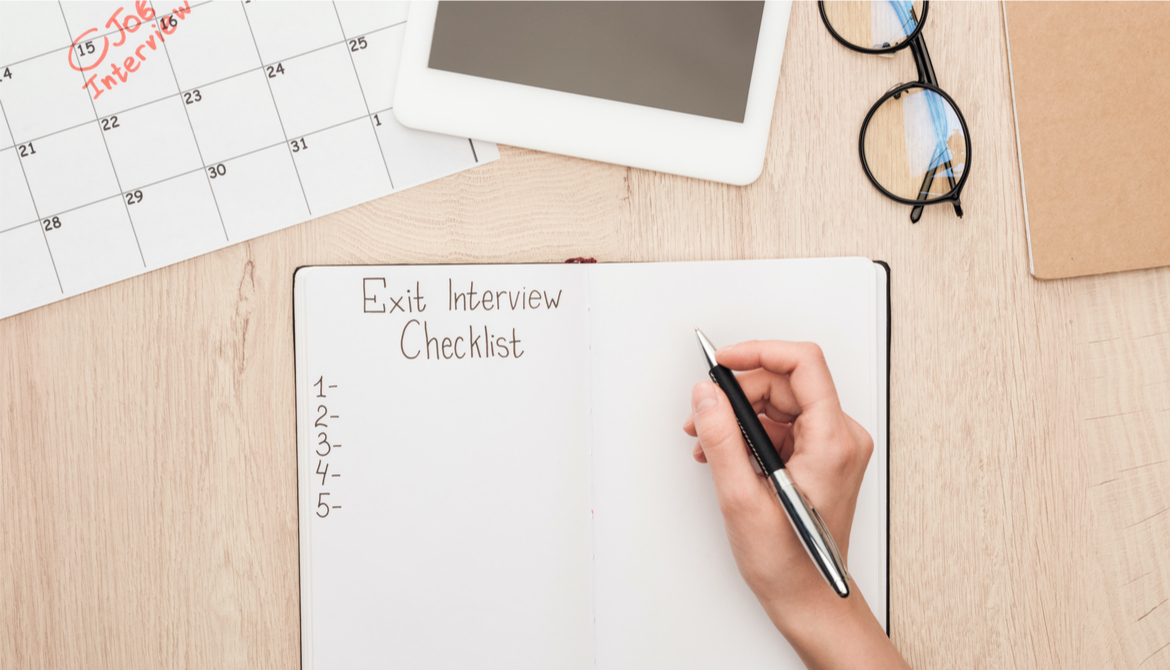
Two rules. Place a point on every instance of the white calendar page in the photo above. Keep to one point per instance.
(138, 134)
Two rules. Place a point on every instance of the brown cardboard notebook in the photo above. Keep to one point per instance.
(1091, 84)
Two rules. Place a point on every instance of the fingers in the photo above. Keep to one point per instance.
(698, 453)
(779, 433)
(736, 483)
(769, 393)
(802, 362)
(781, 436)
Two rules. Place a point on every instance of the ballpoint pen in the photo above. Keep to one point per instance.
(807, 523)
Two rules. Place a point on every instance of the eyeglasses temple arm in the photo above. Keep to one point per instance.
(923, 192)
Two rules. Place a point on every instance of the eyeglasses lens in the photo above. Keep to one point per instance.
(914, 145)
(873, 25)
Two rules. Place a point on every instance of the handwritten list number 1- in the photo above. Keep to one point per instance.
(324, 448)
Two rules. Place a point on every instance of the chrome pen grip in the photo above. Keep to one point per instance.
(813, 534)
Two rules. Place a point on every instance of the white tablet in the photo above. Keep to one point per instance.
(680, 87)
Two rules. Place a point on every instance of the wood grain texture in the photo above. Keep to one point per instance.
(147, 447)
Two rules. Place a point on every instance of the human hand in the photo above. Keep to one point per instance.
(826, 453)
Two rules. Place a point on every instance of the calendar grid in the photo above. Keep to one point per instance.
(229, 128)
(279, 117)
(344, 38)
(71, 209)
(97, 117)
(96, 37)
(33, 200)
(226, 160)
(260, 68)
(194, 136)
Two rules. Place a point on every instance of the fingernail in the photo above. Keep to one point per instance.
(723, 350)
(703, 396)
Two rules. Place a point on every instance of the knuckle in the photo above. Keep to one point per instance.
(812, 351)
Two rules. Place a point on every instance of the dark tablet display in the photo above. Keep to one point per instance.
(689, 57)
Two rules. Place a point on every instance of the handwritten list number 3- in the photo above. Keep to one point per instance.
(324, 449)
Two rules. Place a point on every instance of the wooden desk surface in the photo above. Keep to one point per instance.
(147, 451)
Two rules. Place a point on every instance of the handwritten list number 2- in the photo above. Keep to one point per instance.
(324, 448)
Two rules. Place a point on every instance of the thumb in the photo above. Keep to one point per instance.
(736, 483)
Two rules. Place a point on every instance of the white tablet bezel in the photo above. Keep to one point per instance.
(588, 127)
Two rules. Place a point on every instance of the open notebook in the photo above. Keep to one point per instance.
(493, 473)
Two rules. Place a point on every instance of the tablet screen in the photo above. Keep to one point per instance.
(689, 57)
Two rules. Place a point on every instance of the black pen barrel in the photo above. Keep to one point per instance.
(749, 424)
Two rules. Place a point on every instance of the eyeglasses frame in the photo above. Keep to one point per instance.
(926, 80)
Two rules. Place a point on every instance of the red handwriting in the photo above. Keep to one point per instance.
(125, 25)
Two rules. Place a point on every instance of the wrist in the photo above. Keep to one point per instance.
(832, 632)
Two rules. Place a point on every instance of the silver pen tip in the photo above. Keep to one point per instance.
(707, 347)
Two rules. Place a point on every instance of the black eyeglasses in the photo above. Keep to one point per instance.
(914, 144)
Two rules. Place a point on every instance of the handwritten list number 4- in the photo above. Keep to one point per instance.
(324, 449)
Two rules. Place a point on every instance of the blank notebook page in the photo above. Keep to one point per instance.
(666, 590)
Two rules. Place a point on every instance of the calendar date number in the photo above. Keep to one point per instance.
(133, 197)
(214, 171)
(52, 224)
